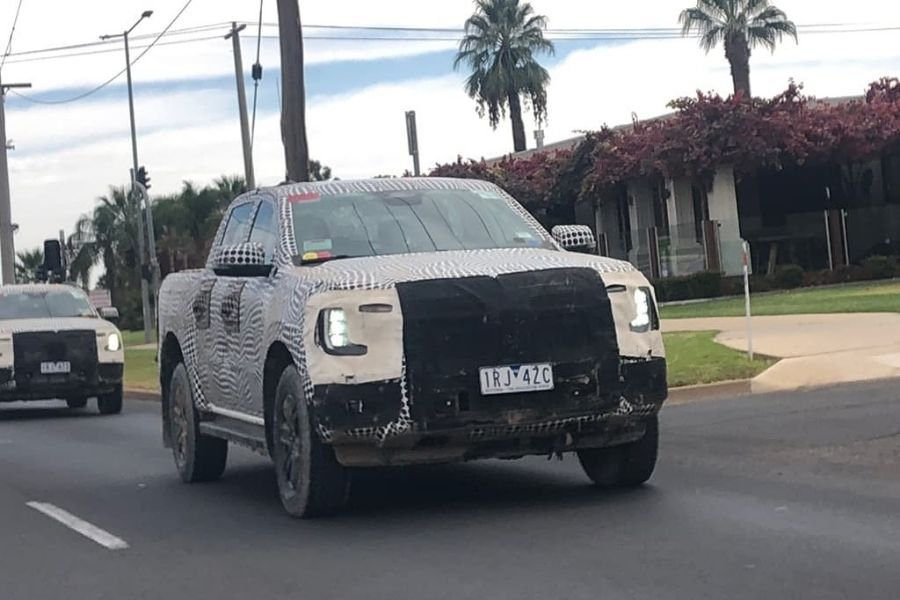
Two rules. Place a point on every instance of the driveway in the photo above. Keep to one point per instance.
(817, 349)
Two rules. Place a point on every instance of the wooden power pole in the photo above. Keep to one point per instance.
(7, 229)
(293, 92)
(235, 37)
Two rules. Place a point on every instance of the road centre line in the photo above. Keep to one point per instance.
(92, 532)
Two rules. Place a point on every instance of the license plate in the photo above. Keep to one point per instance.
(55, 368)
(513, 379)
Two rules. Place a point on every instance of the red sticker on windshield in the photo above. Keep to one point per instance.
(304, 197)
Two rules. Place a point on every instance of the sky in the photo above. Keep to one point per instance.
(66, 155)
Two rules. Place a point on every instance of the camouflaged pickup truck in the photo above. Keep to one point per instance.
(353, 324)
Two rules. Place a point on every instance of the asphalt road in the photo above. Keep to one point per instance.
(786, 496)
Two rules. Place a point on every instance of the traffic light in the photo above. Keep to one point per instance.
(143, 177)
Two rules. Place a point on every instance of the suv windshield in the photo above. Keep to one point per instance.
(43, 304)
(401, 222)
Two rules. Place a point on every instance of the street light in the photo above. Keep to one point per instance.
(145, 292)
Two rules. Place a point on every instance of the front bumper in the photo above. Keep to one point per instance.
(377, 424)
(93, 382)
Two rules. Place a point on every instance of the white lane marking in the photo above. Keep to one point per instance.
(92, 532)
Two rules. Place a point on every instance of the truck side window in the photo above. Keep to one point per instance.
(264, 231)
(238, 227)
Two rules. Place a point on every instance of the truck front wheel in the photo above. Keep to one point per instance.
(628, 465)
(311, 482)
(76, 402)
(111, 403)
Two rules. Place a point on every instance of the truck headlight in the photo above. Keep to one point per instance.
(337, 333)
(334, 334)
(645, 314)
(113, 342)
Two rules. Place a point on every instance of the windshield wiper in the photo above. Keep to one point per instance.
(321, 259)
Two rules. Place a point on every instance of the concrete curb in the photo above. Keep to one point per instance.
(709, 391)
(142, 395)
(677, 395)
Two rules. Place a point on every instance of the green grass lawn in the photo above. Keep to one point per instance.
(857, 297)
(140, 369)
(132, 338)
(692, 358)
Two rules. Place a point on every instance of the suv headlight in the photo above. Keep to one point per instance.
(645, 312)
(113, 342)
(334, 334)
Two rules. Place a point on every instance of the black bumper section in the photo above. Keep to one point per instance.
(104, 380)
(362, 414)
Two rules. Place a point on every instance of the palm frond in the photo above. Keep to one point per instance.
(756, 22)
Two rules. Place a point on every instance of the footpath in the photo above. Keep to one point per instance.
(815, 350)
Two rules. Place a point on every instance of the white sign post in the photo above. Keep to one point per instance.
(746, 255)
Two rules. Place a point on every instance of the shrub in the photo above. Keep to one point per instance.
(689, 287)
(848, 273)
(879, 267)
(788, 277)
(761, 283)
(816, 278)
(732, 286)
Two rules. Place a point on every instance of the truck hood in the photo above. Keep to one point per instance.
(50, 324)
(386, 271)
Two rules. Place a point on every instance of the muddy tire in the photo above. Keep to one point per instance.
(311, 482)
(628, 465)
(198, 457)
(111, 403)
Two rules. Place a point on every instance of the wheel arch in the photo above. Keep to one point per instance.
(278, 358)
(170, 356)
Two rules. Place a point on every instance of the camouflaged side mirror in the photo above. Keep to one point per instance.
(575, 238)
(242, 260)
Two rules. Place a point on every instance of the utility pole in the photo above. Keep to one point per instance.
(145, 291)
(412, 140)
(242, 103)
(293, 92)
(7, 243)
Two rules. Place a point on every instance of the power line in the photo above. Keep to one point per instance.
(12, 32)
(114, 77)
(558, 35)
(111, 50)
(186, 30)
(595, 32)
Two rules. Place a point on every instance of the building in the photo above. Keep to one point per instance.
(817, 216)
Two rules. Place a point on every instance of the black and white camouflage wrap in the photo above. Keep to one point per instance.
(247, 253)
(225, 326)
(574, 236)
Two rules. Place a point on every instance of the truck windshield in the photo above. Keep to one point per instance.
(401, 222)
(44, 304)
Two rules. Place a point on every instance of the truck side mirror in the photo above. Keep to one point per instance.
(575, 238)
(110, 313)
(242, 260)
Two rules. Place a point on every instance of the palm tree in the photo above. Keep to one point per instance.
(740, 25)
(114, 227)
(499, 46)
(82, 250)
(27, 263)
(293, 91)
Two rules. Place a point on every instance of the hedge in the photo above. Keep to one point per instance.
(787, 277)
